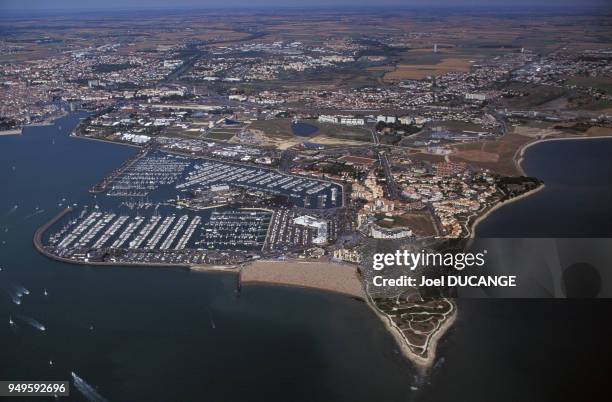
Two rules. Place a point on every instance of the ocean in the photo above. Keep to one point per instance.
(164, 334)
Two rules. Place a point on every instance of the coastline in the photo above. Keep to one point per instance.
(323, 276)
(310, 280)
(520, 153)
(519, 157)
(73, 135)
(421, 363)
(15, 131)
(489, 211)
(46, 122)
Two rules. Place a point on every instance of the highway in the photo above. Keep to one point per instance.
(392, 192)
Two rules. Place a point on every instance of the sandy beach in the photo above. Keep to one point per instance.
(214, 268)
(16, 131)
(326, 276)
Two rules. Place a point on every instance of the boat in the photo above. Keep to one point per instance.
(11, 322)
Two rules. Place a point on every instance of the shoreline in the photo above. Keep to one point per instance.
(420, 362)
(518, 158)
(73, 135)
(49, 121)
(37, 241)
(489, 211)
(323, 276)
(15, 131)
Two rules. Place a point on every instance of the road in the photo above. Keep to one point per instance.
(392, 192)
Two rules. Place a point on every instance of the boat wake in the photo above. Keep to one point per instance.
(38, 211)
(32, 322)
(14, 298)
(15, 292)
(12, 210)
(87, 390)
(20, 290)
(212, 322)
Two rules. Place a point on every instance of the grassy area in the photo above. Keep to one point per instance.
(459, 125)
(343, 132)
(601, 83)
(223, 136)
(419, 222)
(279, 128)
(496, 155)
(534, 95)
(420, 71)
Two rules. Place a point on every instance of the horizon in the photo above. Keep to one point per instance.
(41, 7)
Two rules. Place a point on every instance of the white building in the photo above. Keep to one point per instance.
(237, 97)
(135, 138)
(407, 120)
(381, 233)
(349, 255)
(352, 121)
(325, 118)
(386, 119)
(220, 187)
(314, 223)
(474, 96)
(346, 120)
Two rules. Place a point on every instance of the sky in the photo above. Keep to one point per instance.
(39, 5)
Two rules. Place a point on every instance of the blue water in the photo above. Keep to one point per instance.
(575, 201)
(153, 337)
(303, 129)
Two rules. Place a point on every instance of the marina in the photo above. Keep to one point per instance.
(302, 191)
(230, 229)
(226, 236)
(168, 209)
(163, 240)
(145, 174)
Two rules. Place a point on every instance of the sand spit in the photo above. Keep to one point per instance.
(422, 363)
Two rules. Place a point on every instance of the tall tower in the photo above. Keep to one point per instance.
(435, 48)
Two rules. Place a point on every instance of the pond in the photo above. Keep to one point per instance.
(303, 129)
